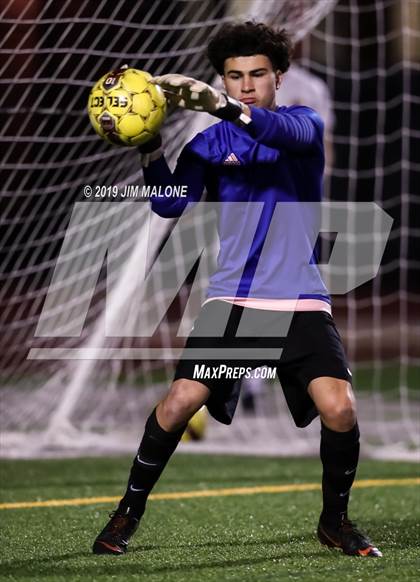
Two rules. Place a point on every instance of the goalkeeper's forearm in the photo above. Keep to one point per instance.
(189, 172)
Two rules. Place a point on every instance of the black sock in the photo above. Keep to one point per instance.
(154, 452)
(339, 456)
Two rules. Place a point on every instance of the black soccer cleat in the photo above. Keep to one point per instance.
(348, 538)
(115, 536)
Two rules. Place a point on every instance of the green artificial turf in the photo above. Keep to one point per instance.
(258, 538)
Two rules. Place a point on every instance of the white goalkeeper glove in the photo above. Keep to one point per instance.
(192, 94)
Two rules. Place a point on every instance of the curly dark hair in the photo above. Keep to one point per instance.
(247, 39)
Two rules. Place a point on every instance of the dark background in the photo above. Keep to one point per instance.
(50, 151)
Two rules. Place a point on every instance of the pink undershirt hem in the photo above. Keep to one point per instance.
(277, 304)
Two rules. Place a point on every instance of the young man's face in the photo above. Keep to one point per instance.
(252, 80)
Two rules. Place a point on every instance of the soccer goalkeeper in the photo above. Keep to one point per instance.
(273, 155)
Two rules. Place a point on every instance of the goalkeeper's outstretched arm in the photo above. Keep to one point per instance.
(298, 129)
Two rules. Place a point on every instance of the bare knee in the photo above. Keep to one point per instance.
(335, 402)
(184, 398)
(340, 416)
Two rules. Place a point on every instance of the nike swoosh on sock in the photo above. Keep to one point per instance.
(146, 463)
(134, 489)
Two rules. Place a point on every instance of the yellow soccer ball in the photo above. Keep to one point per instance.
(196, 428)
(125, 109)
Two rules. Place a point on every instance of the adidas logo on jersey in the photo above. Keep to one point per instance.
(231, 160)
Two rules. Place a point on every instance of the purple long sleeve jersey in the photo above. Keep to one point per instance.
(267, 240)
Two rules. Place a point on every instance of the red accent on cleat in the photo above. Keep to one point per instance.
(115, 549)
(370, 551)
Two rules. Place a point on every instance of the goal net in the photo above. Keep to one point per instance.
(70, 266)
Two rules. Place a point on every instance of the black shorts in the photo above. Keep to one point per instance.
(311, 348)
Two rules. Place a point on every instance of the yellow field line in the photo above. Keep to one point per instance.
(211, 493)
